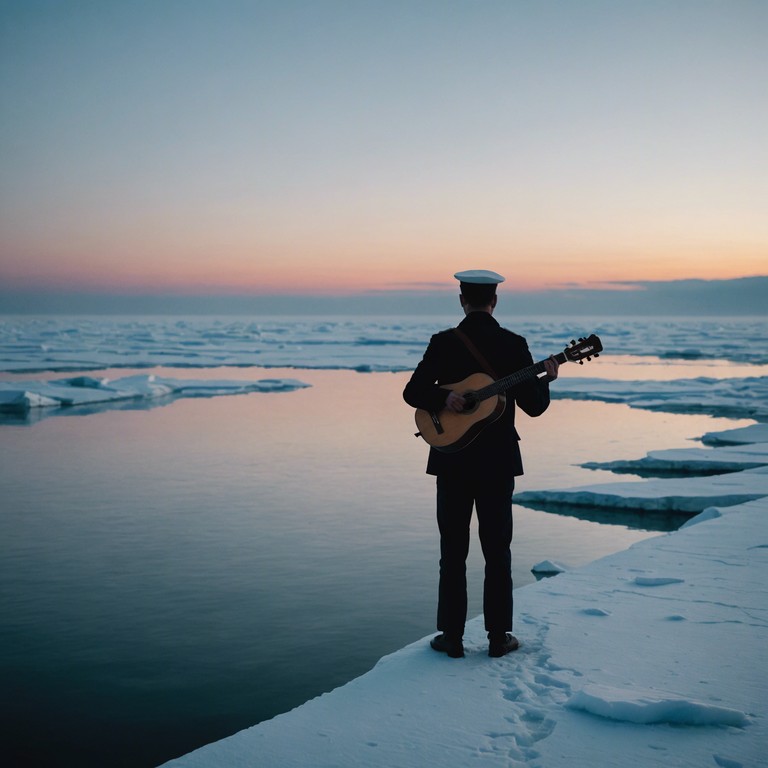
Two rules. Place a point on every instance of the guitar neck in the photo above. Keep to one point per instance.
(518, 377)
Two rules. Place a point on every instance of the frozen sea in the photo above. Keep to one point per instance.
(178, 564)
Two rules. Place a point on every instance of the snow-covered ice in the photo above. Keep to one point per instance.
(690, 461)
(548, 568)
(735, 398)
(651, 657)
(689, 495)
(754, 433)
(20, 397)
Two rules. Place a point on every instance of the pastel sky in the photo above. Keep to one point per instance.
(330, 146)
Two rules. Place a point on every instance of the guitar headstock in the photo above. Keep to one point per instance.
(583, 349)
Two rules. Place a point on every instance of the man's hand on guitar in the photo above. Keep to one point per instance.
(454, 402)
(550, 366)
(449, 434)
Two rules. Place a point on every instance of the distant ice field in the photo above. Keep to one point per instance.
(32, 344)
(717, 367)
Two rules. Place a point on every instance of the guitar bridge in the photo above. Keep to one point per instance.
(436, 421)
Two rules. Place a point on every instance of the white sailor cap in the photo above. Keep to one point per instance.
(479, 276)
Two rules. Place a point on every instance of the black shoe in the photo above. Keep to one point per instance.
(502, 643)
(450, 644)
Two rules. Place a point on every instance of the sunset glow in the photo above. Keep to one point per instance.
(340, 148)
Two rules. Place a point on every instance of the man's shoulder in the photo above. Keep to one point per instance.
(512, 336)
(441, 336)
(477, 328)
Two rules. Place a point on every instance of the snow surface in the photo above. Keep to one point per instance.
(652, 657)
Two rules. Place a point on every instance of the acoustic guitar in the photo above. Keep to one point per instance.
(485, 400)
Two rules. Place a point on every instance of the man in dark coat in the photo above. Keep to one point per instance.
(481, 474)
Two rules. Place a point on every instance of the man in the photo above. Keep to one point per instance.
(481, 474)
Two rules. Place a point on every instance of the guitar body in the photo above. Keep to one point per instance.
(449, 431)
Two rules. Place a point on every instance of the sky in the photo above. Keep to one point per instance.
(336, 147)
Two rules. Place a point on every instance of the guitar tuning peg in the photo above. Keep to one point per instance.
(581, 338)
(588, 358)
(597, 354)
(581, 362)
(573, 341)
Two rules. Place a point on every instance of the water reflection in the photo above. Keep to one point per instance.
(638, 519)
(640, 471)
(36, 415)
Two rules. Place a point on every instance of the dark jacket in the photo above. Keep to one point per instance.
(495, 452)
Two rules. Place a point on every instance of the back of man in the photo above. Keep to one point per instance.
(481, 474)
(448, 361)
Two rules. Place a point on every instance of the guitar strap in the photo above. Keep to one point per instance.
(476, 353)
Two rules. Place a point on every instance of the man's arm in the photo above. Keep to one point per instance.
(533, 396)
(423, 392)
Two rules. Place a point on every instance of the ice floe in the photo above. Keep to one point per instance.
(686, 495)
(691, 461)
(754, 433)
(735, 398)
(18, 398)
(743, 477)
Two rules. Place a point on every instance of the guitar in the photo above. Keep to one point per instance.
(450, 431)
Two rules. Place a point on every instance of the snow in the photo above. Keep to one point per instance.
(644, 707)
(548, 568)
(654, 656)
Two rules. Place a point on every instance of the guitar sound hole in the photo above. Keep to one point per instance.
(470, 402)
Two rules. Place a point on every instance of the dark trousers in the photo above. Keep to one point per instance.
(492, 500)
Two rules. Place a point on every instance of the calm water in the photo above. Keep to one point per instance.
(170, 576)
